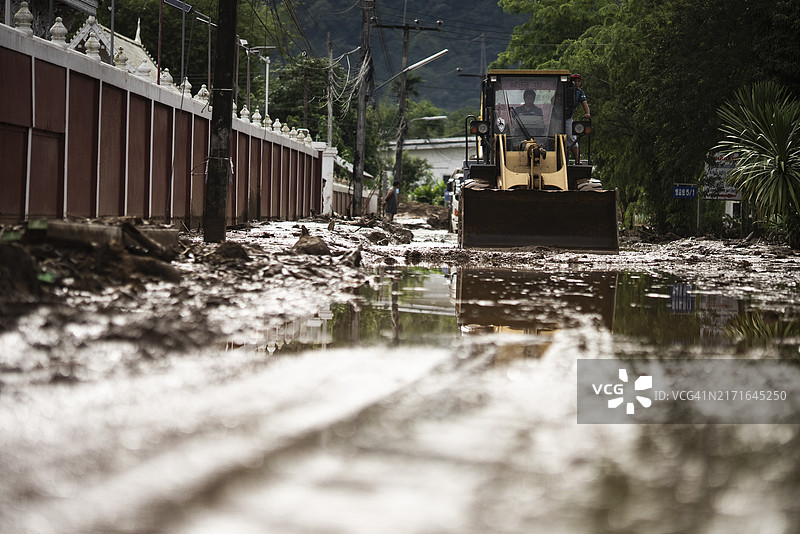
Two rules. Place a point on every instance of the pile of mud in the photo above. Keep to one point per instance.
(30, 270)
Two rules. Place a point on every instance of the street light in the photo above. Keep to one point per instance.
(185, 8)
(460, 72)
(205, 19)
(416, 65)
(241, 44)
(401, 130)
(434, 118)
(266, 60)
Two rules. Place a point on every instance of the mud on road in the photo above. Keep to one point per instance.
(126, 406)
(64, 306)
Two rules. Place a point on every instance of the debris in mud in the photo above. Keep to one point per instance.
(309, 244)
(19, 281)
(230, 251)
(146, 244)
(94, 268)
(439, 221)
(411, 208)
(378, 238)
(397, 233)
(86, 256)
(352, 258)
(413, 257)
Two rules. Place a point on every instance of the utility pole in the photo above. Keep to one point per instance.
(219, 158)
(160, 20)
(305, 93)
(401, 104)
(361, 121)
(330, 91)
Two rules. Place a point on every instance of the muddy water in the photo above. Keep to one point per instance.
(423, 306)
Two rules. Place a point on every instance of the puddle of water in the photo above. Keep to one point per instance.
(422, 306)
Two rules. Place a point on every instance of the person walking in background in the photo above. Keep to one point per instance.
(390, 201)
(580, 99)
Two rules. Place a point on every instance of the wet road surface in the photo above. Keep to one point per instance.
(436, 398)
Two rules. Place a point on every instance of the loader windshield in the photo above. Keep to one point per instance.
(529, 107)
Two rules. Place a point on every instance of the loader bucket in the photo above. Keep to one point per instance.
(585, 220)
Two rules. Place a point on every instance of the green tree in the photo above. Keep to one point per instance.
(299, 94)
(655, 73)
(761, 126)
(258, 24)
(554, 25)
(416, 171)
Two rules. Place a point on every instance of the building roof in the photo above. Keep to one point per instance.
(133, 49)
(433, 143)
(341, 162)
(84, 6)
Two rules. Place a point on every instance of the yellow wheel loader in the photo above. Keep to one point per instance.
(521, 189)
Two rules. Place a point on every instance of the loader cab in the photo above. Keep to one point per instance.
(526, 106)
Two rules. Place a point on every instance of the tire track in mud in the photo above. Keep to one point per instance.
(237, 426)
(398, 466)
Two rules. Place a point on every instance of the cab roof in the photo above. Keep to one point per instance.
(528, 72)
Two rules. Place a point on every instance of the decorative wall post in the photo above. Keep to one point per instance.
(92, 47)
(120, 59)
(203, 93)
(58, 33)
(144, 71)
(166, 79)
(23, 18)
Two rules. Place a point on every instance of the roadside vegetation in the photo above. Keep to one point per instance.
(656, 73)
(761, 127)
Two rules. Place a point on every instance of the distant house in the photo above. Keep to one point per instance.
(443, 154)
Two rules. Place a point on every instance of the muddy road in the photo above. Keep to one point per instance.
(316, 378)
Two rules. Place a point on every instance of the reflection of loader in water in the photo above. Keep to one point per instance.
(525, 302)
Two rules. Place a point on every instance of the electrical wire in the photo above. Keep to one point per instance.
(382, 36)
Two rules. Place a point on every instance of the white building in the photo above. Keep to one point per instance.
(443, 154)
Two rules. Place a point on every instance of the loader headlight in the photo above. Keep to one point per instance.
(478, 128)
(581, 127)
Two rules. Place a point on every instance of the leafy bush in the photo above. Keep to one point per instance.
(761, 125)
(429, 193)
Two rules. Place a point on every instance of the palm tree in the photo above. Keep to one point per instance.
(761, 126)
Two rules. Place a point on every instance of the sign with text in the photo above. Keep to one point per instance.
(684, 191)
(717, 187)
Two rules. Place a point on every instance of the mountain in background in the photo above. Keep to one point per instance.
(474, 32)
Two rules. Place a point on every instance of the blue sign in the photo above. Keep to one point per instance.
(684, 191)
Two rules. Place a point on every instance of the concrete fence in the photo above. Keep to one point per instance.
(83, 138)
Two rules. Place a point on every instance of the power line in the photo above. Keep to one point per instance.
(467, 23)
(384, 45)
